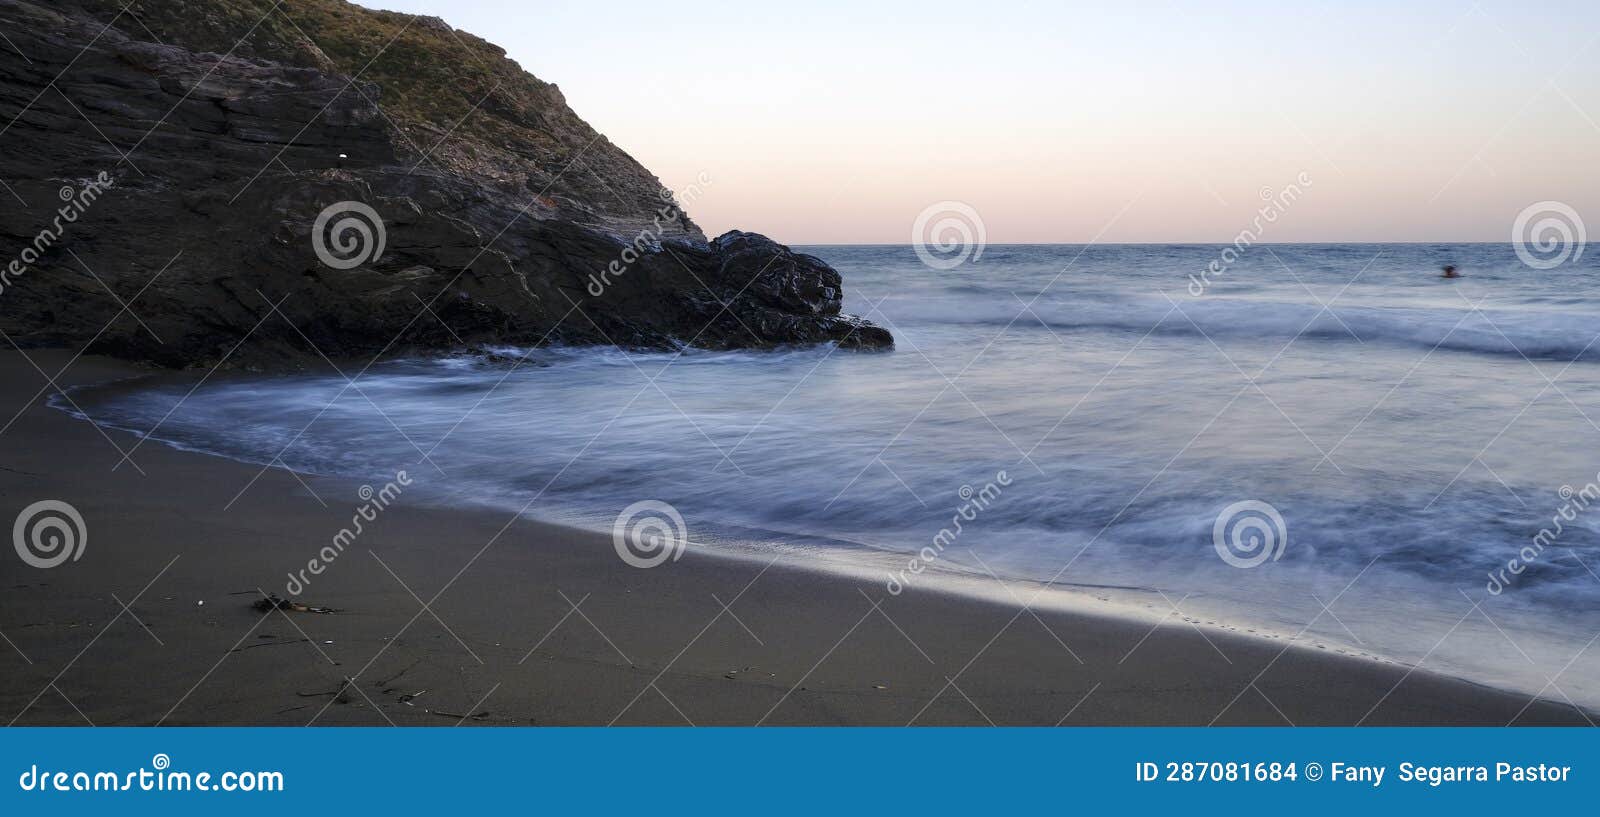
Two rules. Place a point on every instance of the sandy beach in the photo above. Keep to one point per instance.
(467, 616)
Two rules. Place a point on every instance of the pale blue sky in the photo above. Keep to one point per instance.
(831, 122)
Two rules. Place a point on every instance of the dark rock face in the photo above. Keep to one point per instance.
(160, 204)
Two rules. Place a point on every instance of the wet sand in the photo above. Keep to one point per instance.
(448, 616)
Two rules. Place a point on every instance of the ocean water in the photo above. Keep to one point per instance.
(1095, 417)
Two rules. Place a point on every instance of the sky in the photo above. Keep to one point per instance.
(833, 122)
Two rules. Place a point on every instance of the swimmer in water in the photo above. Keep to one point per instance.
(1450, 271)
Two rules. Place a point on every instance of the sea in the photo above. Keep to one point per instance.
(1326, 445)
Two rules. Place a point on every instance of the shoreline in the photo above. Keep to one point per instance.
(530, 622)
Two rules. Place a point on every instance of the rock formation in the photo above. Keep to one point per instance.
(186, 182)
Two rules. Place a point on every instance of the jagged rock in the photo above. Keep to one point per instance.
(504, 218)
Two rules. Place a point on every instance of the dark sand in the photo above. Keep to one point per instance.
(502, 643)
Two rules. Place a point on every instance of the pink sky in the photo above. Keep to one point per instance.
(840, 122)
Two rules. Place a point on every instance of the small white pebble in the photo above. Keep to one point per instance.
(201, 603)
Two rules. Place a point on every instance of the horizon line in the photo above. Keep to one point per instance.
(1135, 243)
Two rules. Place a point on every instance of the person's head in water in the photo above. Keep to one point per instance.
(1450, 271)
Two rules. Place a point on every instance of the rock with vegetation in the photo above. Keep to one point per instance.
(264, 183)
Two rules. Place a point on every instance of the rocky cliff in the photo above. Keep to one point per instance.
(260, 182)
